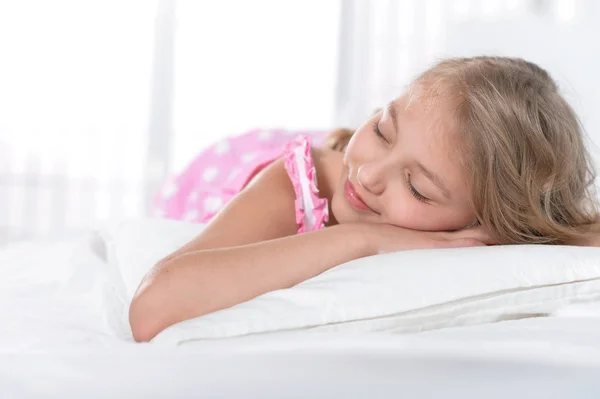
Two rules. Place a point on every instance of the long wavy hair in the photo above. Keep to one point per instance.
(521, 144)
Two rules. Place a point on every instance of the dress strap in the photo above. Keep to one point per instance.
(312, 212)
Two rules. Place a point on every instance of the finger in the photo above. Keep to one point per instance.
(479, 233)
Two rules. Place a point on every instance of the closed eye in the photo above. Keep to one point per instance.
(415, 193)
(378, 131)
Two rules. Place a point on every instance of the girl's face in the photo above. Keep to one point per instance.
(399, 169)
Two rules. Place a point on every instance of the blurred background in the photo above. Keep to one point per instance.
(102, 100)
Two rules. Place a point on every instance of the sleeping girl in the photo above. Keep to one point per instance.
(477, 151)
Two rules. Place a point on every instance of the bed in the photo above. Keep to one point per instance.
(63, 309)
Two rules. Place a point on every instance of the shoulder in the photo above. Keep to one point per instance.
(271, 185)
(263, 210)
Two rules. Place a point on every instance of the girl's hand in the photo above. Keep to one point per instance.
(385, 238)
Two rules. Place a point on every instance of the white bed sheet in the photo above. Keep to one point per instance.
(297, 365)
(63, 333)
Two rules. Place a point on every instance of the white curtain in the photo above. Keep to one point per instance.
(74, 90)
(386, 43)
(100, 100)
(252, 64)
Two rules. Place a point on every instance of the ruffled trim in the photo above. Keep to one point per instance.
(312, 211)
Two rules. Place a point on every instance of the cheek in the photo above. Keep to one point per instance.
(409, 213)
(358, 148)
(406, 212)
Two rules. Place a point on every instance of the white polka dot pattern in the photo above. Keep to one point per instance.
(265, 135)
(192, 215)
(248, 157)
(233, 174)
(222, 147)
(213, 204)
(210, 174)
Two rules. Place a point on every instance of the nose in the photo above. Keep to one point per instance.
(371, 177)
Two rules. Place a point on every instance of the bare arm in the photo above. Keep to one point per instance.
(251, 248)
(204, 281)
(248, 250)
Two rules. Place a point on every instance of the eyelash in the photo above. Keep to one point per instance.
(378, 131)
(414, 192)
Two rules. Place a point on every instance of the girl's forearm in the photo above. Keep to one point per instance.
(200, 282)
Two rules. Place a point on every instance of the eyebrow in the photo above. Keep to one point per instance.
(392, 111)
(435, 179)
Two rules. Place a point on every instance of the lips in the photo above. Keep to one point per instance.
(353, 197)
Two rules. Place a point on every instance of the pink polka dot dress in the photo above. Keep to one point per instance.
(220, 172)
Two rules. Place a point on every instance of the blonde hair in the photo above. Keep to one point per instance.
(522, 146)
(338, 139)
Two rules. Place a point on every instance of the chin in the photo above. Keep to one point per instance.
(337, 209)
(342, 212)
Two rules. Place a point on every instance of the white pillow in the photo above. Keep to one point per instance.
(400, 292)
(134, 246)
